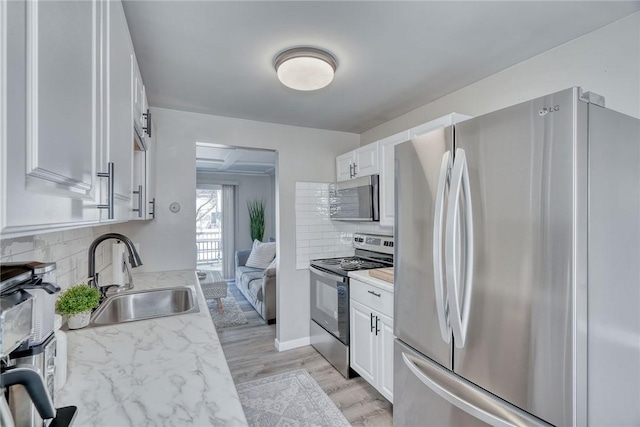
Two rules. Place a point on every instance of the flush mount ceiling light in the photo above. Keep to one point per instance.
(305, 68)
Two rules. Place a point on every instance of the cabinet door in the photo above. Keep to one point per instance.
(366, 160)
(138, 98)
(385, 356)
(387, 176)
(118, 147)
(52, 69)
(362, 342)
(150, 169)
(344, 165)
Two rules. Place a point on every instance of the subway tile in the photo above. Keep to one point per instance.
(302, 185)
(302, 244)
(303, 250)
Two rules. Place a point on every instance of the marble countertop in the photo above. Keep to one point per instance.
(363, 276)
(169, 371)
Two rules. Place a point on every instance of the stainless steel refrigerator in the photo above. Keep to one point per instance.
(517, 268)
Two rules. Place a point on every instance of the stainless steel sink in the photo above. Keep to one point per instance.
(148, 304)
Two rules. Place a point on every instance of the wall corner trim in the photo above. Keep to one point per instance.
(291, 344)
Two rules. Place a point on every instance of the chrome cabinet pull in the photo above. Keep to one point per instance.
(147, 127)
(377, 328)
(153, 203)
(375, 294)
(110, 190)
(139, 193)
(371, 322)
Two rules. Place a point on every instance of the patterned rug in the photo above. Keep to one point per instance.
(232, 313)
(289, 399)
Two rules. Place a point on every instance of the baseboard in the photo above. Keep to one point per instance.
(288, 345)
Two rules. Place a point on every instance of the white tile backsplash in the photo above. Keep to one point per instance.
(68, 249)
(316, 235)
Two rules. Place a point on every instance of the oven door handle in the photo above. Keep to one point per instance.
(334, 277)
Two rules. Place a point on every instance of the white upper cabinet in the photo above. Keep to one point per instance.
(387, 205)
(366, 160)
(144, 179)
(362, 161)
(67, 71)
(150, 174)
(344, 166)
(387, 161)
(118, 146)
(51, 64)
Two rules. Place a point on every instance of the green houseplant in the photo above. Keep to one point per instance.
(77, 303)
(256, 218)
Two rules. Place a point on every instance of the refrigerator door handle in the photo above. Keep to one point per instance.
(468, 397)
(440, 292)
(459, 305)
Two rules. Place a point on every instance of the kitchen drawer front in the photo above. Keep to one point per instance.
(372, 296)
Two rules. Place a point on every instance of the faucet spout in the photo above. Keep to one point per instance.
(134, 257)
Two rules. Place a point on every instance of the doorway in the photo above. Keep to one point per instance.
(209, 227)
(228, 180)
(215, 228)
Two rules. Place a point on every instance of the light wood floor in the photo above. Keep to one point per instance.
(251, 355)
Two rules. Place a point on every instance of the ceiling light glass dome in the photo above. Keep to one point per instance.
(305, 68)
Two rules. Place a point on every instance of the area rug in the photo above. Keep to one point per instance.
(232, 313)
(290, 399)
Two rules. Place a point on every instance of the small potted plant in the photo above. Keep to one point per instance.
(77, 303)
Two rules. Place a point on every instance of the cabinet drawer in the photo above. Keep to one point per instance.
(371, 296)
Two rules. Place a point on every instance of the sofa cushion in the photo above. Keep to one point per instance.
(261, 254)
(255, 289)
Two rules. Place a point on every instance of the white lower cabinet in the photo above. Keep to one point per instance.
(371, 335)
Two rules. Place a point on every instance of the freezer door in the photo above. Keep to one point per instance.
(419, 313)
(433, 396)
(518, 327)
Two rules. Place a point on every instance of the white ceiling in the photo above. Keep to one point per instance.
(216, 57)
(214, 158)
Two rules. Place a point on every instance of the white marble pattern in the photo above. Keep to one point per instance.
(169, 371)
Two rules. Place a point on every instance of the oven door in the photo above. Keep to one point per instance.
(330, 303)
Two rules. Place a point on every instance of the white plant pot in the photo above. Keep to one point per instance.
(79, 320)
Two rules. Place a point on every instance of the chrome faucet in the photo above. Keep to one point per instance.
(134, 258)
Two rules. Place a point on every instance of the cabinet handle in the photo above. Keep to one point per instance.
(355, 172)
(109, 174)
(375, 294)
(147, 126)
(350, 170)
(371, 322)
(377, 329)
(153, 203)
(139, 193)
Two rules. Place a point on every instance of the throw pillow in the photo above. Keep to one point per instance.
(261, 254)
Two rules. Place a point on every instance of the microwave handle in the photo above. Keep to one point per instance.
(333, 277)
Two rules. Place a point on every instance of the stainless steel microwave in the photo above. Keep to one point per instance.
(356, 199)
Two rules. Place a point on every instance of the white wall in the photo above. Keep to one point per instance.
(169, 242)
(606, 61)
(248, 187)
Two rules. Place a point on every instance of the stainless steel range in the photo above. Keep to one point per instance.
(330, 296)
